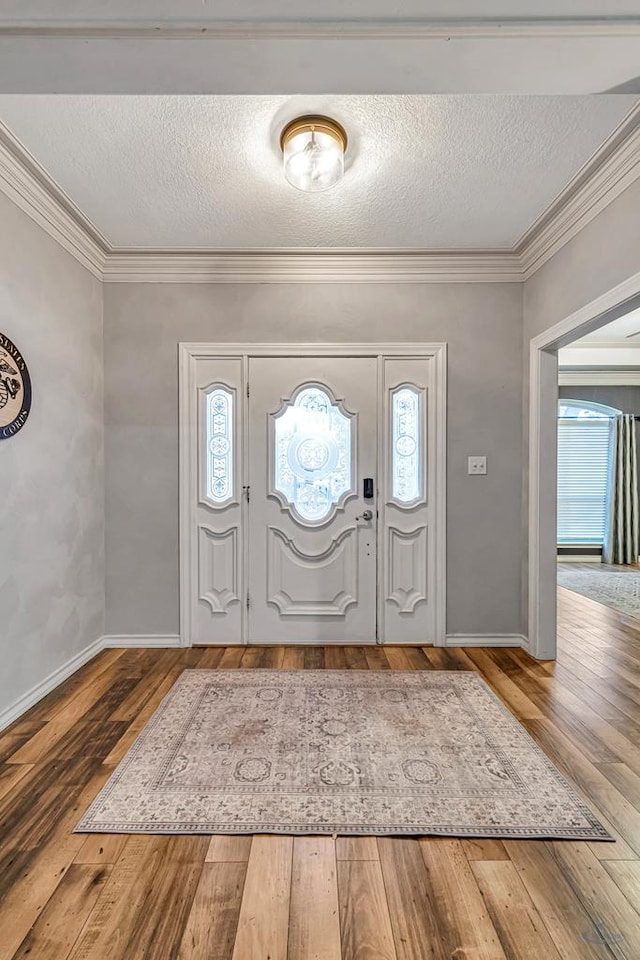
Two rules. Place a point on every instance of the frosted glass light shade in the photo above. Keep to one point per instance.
(313, 149)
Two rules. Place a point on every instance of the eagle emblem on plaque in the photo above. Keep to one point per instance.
(15, 389)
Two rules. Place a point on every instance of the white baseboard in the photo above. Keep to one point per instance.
(40, 690)
(589, 558)
(486, 640)
(141, 640)
(15, 710)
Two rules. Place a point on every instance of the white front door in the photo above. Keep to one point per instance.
(312, 495)
(313, 442)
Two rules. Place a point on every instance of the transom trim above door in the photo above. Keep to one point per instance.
(312, 493)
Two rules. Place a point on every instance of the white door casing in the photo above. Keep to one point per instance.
(314, 571)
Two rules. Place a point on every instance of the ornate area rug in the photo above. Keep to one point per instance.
(337, 751)
(619, 589)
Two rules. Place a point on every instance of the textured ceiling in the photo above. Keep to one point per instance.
(622, 330)
(433, 172)
(292, 9)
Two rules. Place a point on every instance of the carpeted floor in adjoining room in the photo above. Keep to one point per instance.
(614, 586)
(344, 752)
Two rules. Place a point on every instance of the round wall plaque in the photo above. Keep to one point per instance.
(15, 389)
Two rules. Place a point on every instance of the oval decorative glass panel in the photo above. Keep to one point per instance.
(312, 454)
(220, 445)
(406, 480)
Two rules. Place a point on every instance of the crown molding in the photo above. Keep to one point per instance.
(30, 187)
(312, 266)
(395, 28)
(614, 167)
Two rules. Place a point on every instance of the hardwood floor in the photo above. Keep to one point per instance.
(105, 897)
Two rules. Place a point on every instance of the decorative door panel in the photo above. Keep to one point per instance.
(406, 568)
(217, 601)
(321, 584)
(312, 441)
(407, 511)
(219, 567)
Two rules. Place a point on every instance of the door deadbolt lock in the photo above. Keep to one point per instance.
(365, 515)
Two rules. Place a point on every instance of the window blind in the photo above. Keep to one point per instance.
(583, 470)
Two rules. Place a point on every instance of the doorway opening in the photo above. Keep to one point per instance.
(543, 453)
(598, 466)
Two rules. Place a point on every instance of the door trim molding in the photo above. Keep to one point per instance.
(543, 415)
(190, 353)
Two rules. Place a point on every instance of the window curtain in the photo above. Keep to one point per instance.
(621, 533)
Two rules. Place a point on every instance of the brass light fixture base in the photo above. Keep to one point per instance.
(311, 123)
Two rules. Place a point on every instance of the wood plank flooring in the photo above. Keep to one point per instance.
(92, 897)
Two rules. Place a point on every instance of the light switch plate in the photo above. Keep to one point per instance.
(477, 466)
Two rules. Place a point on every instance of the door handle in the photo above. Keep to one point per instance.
(366, 515)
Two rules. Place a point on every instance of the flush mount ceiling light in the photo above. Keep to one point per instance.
(313, 149)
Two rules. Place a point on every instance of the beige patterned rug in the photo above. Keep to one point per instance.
(339, 751)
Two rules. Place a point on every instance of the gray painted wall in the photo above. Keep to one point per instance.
(623, 398)
(144, 323)
(51, 473)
